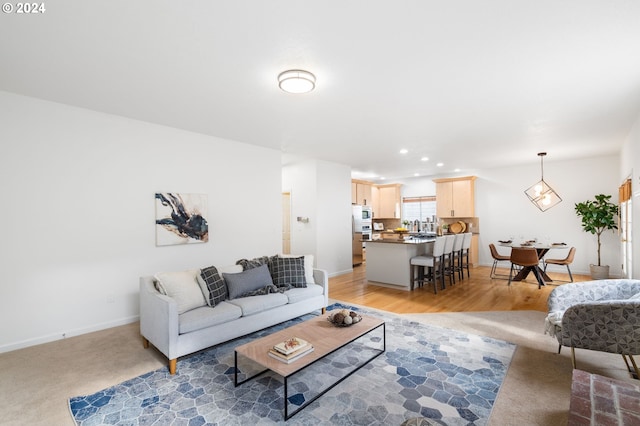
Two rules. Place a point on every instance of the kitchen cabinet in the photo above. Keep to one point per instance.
(455, 197)
(389, 201)
(361, 193)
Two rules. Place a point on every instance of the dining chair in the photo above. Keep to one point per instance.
(465, 253)
(525, 258)
(448, 259)
(456, 255)
(566, 262)
(434, 263)
(497, 257)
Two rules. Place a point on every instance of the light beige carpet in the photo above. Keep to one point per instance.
(36, 382)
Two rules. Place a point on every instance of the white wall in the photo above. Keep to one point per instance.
(78, 213)
(320, 191)
(504, 210)
(629, 166)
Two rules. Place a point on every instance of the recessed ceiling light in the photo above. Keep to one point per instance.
(416, 174)
(440, 164)
(296, 81)
(424, 159)
(456, 170)
(382, 178)
(404, 151)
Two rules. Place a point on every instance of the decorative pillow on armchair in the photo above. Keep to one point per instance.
(288, 271)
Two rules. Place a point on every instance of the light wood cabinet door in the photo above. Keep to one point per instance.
(390, 203)
(363, 194)
(455, 197)
(462, 198)
(354, 193)
(444, 199)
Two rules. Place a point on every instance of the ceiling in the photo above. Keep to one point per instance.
(472, 84)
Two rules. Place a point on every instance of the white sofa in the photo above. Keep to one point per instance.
(177, 328)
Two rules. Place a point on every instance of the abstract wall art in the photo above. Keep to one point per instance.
(181, 218)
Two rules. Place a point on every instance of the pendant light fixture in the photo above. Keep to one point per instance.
(541, 194)
(296, 81)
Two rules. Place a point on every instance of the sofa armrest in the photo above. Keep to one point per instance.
(322, 279)
(158, 318)
(607, 326)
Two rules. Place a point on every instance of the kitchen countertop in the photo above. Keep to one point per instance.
(407, 241)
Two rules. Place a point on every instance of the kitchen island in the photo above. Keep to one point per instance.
(388, 260)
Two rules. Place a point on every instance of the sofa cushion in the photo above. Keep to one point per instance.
(308, 266)
(183, 287)
(203, 317)
(255, 304)
(247, 281)
(215, 286)
(288, 271)
(296, 295)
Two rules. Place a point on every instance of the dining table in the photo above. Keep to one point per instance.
(541, 249)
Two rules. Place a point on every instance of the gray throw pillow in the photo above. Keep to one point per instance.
(217, 288)
(247, 281)
(288, 271)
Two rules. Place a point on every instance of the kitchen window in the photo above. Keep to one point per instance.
(418, 208)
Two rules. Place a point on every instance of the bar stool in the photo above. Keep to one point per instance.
(466, 248)
(456, 255)
(448, 259)
(434, 263)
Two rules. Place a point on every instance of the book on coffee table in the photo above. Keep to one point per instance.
(291, 345)
(288, 359)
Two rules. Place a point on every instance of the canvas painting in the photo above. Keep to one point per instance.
(181, 218)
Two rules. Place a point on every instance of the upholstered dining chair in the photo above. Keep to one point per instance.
(566, 262)
(525, 258)
(497, 257)
(435, 264)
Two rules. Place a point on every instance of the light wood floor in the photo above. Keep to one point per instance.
(474, 294)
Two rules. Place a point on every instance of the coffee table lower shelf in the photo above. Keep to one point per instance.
(326, 340)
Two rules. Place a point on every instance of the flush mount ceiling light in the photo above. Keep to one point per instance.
(541, 194)
(296, 81)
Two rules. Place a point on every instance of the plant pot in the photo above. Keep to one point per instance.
(599, 272)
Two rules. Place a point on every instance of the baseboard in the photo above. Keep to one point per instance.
(66, 334)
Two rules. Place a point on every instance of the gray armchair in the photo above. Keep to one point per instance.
(601, 315)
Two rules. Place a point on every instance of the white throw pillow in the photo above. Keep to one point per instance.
(308, 266)
(182, 287)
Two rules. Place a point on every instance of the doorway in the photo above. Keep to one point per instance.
(626, 216)
(286, 223)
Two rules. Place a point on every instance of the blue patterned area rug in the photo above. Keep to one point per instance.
(450, 377)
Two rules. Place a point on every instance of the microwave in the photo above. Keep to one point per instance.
(367, 213)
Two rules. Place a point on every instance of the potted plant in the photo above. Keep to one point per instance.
(597, 216)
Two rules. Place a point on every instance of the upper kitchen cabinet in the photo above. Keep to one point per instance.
(361, 193)
(389, 201)
(455, 197)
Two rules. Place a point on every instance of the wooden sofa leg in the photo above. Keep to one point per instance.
(145, 343)
(324, 310)
(172, 366)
